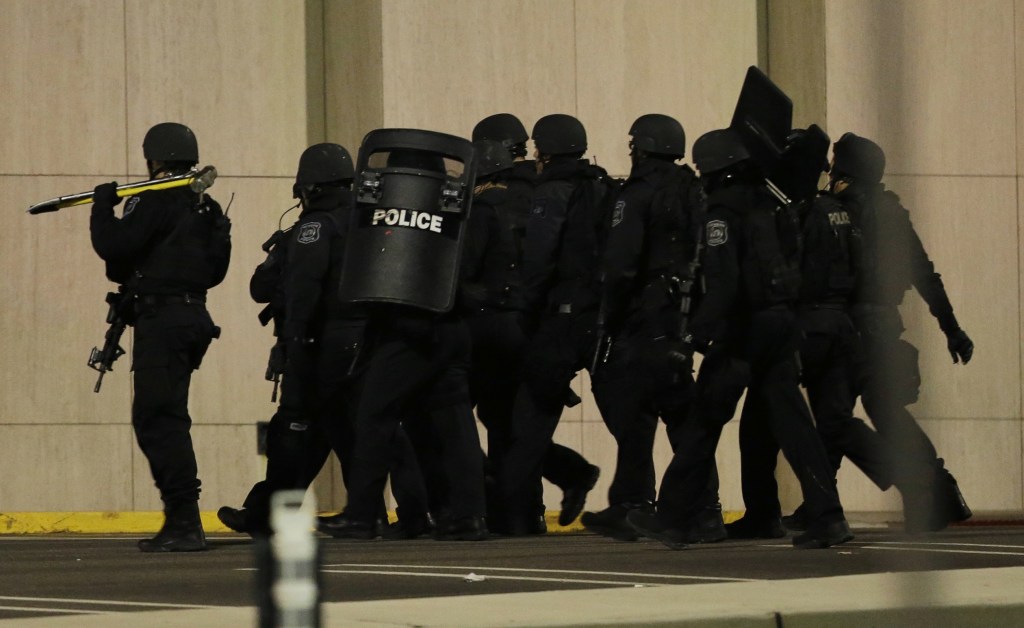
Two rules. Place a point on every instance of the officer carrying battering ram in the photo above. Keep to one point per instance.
(561, 254)
(894, 259)
(649, 265)
(402, 260)
(746, 328)
(166, 250)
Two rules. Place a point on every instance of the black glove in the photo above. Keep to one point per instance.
(106, 194)
(571, 398)
(278, 360)
(680, 355)
(960, 346)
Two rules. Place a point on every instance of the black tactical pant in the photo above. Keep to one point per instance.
(828, 358)
(761, 359)
(318, 396)
(499, 343)
(889, 379)
(170, 342)
(417, 379)
(561, 346)
(633, 388)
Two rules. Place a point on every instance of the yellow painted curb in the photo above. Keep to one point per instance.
(150, 522)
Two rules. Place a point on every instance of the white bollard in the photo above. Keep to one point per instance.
(294, 591)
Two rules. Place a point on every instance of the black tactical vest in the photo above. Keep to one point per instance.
(832, 252)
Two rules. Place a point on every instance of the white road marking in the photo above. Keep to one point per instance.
(940, 551)
(42, 609)
(426, 574)
(552, 571)
(68, 600)
(1020, 547)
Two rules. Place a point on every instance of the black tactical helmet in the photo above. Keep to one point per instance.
(170, 141)
(324, 163)
(502, 127)
(716, 150)
(858, 158)
(491, 157)
(559, 134)
(659, 134)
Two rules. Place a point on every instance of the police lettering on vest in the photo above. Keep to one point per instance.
(838, 218)
(424, 221)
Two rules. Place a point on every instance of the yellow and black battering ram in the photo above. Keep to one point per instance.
(198, 180)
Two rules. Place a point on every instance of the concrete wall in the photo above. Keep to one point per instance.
(934, 81)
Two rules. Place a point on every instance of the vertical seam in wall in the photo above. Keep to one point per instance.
(761, 17)
(380, 41)
(575, 61)
(824, 65)
(1016, 195)
(124, 69)
(323, 66)
(131, 337)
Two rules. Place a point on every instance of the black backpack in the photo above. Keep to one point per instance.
(678, 210)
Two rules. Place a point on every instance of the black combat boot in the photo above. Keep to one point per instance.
(754, 526)
(796, 522)
(823, 535)
(647, 524)
(611, 522)
(461, 529)
(243, 520)
(409, 527)
(182, 531)
(707, 526)
(957, 509)
(575, 497)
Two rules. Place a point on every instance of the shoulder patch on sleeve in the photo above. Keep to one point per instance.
(717, 232)
(618, 213)
(129, 207)
(309, 233)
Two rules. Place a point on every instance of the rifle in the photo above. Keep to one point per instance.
(681, 288)
(198, 180)
(603, 347)
(102, 360)
(275, 367)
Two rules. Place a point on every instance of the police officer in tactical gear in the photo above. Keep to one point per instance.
(831, 259)
(322, 339)
(295, 451)
(418, 367)
(656, 224)
(166, 250)
(506, 129)
(564, 235)
(746, 328)
(895, 260)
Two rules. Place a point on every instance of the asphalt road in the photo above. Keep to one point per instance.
(65, 575)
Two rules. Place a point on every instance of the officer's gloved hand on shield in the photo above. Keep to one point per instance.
(960, 346)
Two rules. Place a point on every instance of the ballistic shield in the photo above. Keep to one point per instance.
(763, 118)
(413, 191)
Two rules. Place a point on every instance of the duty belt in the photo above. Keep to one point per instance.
(170, 299)
(840, 307)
